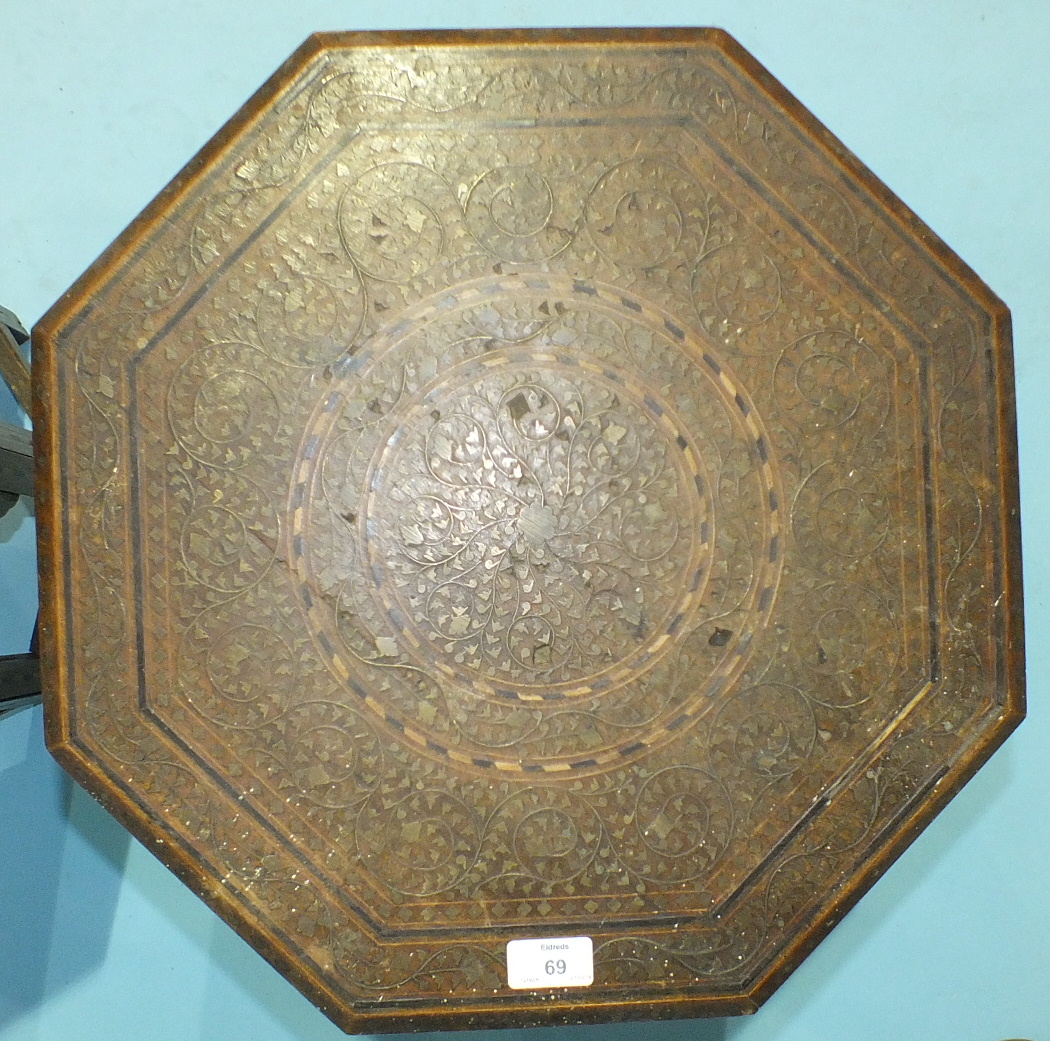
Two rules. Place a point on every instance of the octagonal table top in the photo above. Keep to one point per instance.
(527, 485)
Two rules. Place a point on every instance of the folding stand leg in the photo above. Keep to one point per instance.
(20, 679)
(19, 673)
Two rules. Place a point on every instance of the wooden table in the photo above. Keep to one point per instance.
(524, 486)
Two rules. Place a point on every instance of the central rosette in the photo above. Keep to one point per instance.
(534, 525)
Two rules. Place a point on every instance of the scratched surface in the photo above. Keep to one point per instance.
(528, 488)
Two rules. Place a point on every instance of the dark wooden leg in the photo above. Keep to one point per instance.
(12, 365)
(19, 673)
(20, 678)
(16, 465)
(16, 444)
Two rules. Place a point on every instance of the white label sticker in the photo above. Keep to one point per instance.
(564, 962)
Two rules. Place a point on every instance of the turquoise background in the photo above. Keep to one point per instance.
(101, 102)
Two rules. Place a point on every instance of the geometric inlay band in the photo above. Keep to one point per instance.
(508, 518)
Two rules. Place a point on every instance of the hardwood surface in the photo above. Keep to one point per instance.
(527, 484)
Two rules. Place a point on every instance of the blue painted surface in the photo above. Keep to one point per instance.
(102, 101)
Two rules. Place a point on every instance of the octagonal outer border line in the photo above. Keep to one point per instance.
(52, 533)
